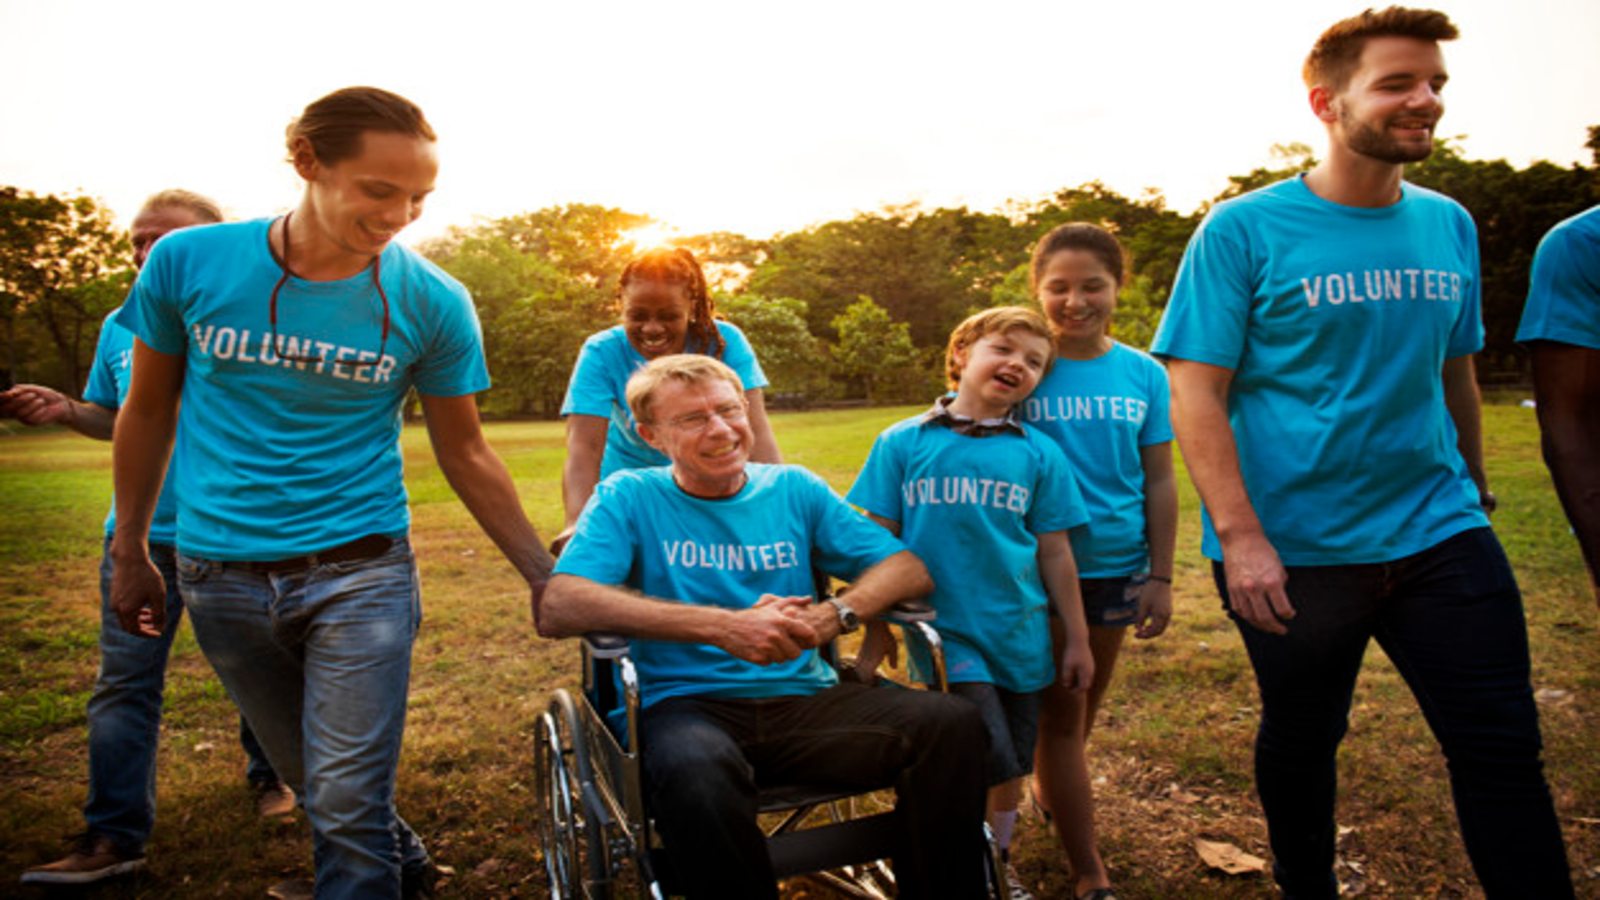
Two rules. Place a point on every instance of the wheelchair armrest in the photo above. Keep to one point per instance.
(602, 645)
(907, 611)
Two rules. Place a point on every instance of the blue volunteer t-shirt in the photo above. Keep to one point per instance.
(1102, 412)
(1564, 286)
(1336, 322)
(599, 382)
(641, 531)
(282, 458)
(971, 508)
(110, 375)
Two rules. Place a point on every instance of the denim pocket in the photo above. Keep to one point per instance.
(194, 571)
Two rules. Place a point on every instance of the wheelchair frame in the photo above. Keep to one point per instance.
(593, 826)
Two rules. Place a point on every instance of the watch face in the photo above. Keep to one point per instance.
(848, 620)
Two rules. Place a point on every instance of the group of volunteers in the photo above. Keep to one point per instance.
(1315, 366)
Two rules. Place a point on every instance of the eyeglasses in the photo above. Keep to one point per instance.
(272, 311)
(694, 423)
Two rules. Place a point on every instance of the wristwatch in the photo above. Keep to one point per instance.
(848, 620)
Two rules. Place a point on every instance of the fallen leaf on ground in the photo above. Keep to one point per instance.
(1228, 858)
(1178, 793)
(1552, 696)
(204, 747)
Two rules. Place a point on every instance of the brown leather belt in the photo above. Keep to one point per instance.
(373, 545)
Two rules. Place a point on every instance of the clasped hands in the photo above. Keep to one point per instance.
(778, 629)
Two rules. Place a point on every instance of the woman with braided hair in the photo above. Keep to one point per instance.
(666, 309)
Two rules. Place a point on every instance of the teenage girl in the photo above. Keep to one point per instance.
(666, 309)
(1106, 404)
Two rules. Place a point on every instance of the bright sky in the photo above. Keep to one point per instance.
(743, 116)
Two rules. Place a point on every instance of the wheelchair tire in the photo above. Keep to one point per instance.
(558, 825)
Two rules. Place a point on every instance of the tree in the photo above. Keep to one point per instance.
(1140, 304)
(1513, 209)
(907, 262)
(877, 354)
(542, 282)
(63, 266)
(790, 355)
(1293, 158)
(727, 258)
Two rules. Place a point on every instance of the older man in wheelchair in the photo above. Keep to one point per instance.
(707, 566)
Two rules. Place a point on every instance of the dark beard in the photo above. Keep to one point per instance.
(1376, 144)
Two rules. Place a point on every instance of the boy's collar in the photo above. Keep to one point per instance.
(941, 414)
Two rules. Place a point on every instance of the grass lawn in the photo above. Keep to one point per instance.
(1171, 757)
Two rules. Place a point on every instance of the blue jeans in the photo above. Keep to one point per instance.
(704, 759)
(319, 660)
(1450, 619)
(125, 718)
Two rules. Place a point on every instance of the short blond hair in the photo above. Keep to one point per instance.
(1337, 52)
(998, 320)
(684, 368)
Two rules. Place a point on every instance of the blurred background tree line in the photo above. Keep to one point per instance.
(857, 309)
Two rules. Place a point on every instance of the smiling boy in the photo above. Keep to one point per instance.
(986, 502)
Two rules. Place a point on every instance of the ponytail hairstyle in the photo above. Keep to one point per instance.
(334, 124)
(676, 265)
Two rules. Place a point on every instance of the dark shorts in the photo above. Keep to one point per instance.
(1012, 721)
(1111, 602)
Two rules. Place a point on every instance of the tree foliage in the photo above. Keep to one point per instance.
(859, 307)
(63, 266)
(542, 281)
(876, 354)
(792, 358)
(1513, 208)
(907, 262)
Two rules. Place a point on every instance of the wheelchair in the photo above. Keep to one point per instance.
(598, 840)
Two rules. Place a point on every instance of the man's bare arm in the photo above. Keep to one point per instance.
(480, 479)
(1256, 576)
(1566, 388)
(1465, 405)
(140, 449)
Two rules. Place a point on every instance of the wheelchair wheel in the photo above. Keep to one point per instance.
(558, 809)
(575, 829)
(996, 884)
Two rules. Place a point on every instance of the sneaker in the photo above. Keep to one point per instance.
(95, 857)
(274, 799)
(1014, 884)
